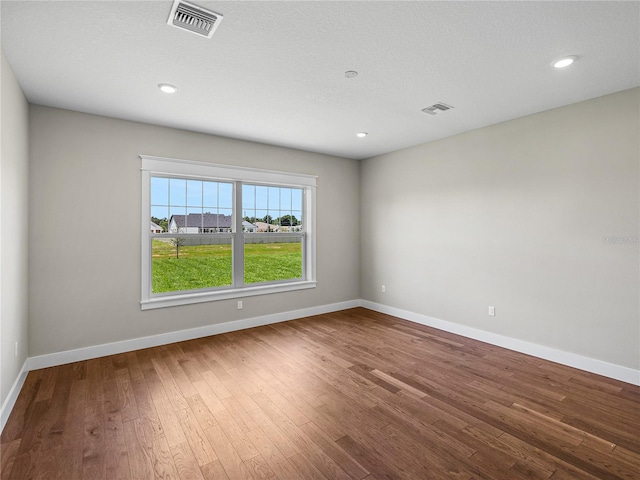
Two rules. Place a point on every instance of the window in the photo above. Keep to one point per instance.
(222, 232)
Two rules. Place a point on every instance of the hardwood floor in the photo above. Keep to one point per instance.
(348, 395)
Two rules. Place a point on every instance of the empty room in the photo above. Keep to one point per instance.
(320, 240)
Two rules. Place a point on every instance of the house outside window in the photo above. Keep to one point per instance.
(229, 232)
(155, 228)
(200, 223)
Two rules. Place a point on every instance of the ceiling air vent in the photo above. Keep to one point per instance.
(193, 18)
(433, 109)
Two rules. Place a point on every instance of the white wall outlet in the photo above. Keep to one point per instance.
(492, 311)
(384, 289)
(239, 304)
(15, 349)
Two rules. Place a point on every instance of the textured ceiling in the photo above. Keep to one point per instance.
(274, 71)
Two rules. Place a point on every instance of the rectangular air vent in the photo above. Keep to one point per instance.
(433, 109)
(193, 18)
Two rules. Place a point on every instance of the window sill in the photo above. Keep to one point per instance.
(211, 296)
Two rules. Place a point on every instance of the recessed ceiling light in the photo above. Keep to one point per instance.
(361, 134)
(350, 74)
(564, 61)
(167, 88)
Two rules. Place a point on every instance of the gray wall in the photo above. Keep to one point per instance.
(14, 202)
(85, 185)
(537, 216)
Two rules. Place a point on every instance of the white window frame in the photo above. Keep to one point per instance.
(152, 165)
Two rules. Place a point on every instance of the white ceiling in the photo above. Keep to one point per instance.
(274, 70)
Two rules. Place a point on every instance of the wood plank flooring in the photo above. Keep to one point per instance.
(348, 395)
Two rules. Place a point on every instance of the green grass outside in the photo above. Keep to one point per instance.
(208, 266)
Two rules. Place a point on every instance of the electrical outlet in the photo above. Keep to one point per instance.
(239, 304)
(492, 311)
(384, 289)
(15, 349)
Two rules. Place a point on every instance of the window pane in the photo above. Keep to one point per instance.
(194, 220)
(217, 222)
(194, 193)
(158, 221)
(285, 200)
(273, 216)
(159, 191)
(296, 199)
(249, 226)
(180, 264)
(159, 212)
(177, 219)
(289, 220)
(225, 199)
(249, 215)
(248, 197)
(260, 215)
(269, 258)
(210, 194)
(177, 191)
(274, 198)
(225, 220)
(261, 198)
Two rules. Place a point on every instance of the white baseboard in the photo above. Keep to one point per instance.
(599, 367)
(592, 365)
(95, 351)
(10, 401)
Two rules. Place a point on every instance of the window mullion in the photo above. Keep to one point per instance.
(238, 237)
